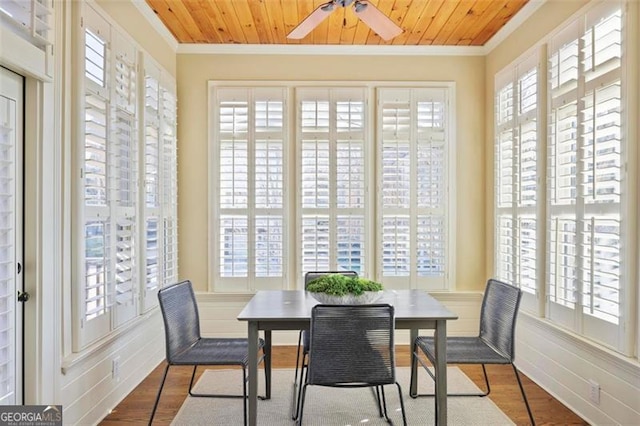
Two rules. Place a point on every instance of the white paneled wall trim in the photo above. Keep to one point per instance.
(218, 313)
(89, 389)
(563, 363)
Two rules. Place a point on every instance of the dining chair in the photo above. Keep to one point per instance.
(185, 345)
(495, 343)
(352, 346)
(303, 342)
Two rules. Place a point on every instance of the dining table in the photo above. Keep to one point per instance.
(415, 310)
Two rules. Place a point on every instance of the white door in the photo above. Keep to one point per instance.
(11, 223)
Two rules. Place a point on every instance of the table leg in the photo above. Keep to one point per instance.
(413, 335)
(441, 372)
(253, 373)
(267, 363)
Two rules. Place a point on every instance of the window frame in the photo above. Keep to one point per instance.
(291, 268)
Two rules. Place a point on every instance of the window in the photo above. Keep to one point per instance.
(251, 204)
(323, 182)
(333, 199)
(516, 175)
(115, 267)
(585, 288)
(414, 183)
(586, 182)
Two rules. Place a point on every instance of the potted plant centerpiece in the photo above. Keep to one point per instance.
(338, 289)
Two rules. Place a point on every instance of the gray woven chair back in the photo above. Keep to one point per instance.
(181, 319)
(352, 345)
(312, 275)
(498, 316)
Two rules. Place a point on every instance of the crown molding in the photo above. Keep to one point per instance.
(156, 23)
(299, 49)
(523, 14)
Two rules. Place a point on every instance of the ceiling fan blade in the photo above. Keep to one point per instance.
(376, 20)
(311, 21)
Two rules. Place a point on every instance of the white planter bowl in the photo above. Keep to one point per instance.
(348, 299)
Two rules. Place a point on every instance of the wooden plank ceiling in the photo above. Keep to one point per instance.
(425, 22)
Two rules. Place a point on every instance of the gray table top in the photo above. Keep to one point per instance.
(287, 305)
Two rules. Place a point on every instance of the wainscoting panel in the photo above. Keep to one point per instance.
(88, 389)
(564, 364)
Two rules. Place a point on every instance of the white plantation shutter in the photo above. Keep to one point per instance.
(95, 266)
(413, 177)
(151, 177)
(169, 185)
(332, 175)
(586, 177)
(516, 175)
(126, 224)
(124, 167)
(11, 136)
(250, 221)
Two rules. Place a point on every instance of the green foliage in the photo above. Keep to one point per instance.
(339, 285)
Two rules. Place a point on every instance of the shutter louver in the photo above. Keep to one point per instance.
(316, 243)
(96, 151)
(234, 246)
(97, 260)
(152, 256)
(125, 265)
(396, 246)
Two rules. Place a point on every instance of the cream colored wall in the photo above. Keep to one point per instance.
(543, 21)
(132, 21)
(194, 71)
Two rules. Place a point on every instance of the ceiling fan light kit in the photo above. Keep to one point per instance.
(366, 12)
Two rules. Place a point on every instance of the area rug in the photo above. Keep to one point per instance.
(335, 407)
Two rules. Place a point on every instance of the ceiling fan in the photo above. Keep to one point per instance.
(367, 12)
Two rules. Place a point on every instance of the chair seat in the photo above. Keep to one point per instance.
(216, 351)
(463, 350)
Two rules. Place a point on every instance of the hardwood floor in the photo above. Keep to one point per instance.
(136, 407)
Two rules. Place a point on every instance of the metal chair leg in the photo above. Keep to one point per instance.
(524, 396)
(384, 405)
(300, 364)
(155, 405)
(404, 415)
(303, 371)
(303, 394)
(376, 393)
